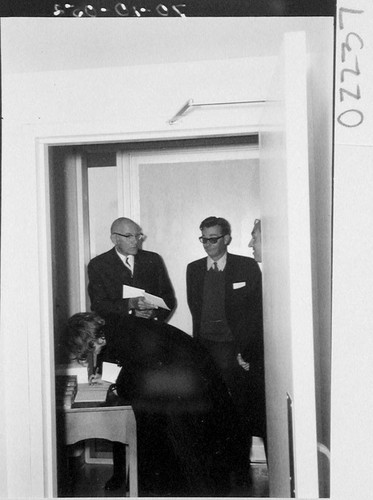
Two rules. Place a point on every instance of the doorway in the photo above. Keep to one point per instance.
(168, 192)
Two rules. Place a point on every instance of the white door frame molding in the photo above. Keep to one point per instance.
(287, 278)
(44, 471)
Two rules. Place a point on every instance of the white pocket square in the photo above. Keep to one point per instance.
(239, 285)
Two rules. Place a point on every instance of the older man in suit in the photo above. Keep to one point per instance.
(225, 298)
(127, 264)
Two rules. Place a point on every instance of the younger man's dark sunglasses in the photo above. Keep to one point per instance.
(210, 240)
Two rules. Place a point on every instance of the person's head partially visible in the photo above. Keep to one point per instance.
(84, 336)
(126, 236)
(256, 241)
(216, 236)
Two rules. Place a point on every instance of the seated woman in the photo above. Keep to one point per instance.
(187, 428)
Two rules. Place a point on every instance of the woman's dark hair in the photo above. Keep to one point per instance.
(81, 329)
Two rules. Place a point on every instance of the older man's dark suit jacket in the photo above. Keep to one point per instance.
(107, 274)
(243, 302)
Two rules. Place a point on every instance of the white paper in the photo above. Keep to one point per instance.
(155, 301)
(74, 368)
(239, 284)
(110, 372)
(131, 291)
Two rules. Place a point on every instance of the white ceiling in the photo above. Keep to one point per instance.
(45, 44)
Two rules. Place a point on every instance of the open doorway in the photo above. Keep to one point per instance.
(172, 191)
(167, 192)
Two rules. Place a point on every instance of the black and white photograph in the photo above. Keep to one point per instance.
(185, 210)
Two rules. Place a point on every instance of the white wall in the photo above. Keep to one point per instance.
(176, 196)
(320, 97)
(114, 103)
(139, 97)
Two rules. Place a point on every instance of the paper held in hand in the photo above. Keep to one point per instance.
(131, 291)
(110, 372)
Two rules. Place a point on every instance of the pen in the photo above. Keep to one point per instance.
(92, 380)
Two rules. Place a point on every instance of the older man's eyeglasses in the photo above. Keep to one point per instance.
(128, 236)
(213, 240)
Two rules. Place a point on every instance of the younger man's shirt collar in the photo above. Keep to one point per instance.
(221, 262)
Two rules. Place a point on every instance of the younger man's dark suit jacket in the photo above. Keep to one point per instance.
(107, 274)
(243, 303)
(244, 313)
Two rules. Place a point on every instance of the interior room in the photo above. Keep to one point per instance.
(88, 110)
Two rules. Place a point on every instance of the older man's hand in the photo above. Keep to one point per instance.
(142, 308)
(146, 313)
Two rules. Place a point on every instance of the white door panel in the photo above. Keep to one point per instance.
(178, 189)
(287, 278)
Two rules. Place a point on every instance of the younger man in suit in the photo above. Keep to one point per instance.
(224, 294)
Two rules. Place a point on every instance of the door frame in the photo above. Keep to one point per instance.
(287, 280)
(39, 141)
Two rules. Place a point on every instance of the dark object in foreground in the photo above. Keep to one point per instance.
(187, 426)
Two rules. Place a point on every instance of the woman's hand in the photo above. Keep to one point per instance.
(94, 379)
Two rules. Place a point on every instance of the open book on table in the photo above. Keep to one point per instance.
(92, 393)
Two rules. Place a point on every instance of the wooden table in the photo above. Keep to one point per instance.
(115, 423)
